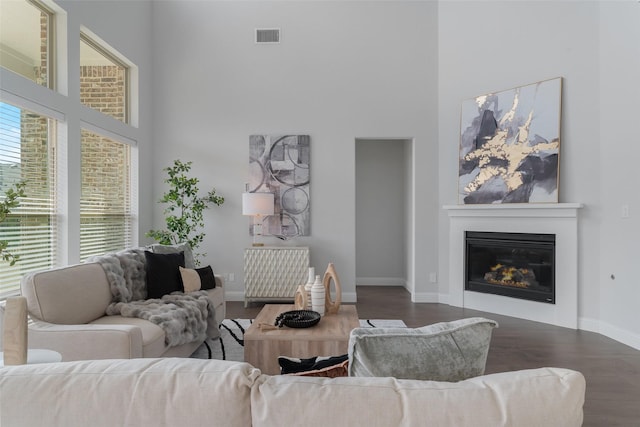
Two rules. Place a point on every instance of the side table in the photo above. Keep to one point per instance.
(274, 272)
(38, 356)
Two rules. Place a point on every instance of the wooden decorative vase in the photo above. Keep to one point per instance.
(331, 307)
(301, 299)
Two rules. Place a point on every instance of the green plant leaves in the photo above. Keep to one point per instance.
(184, 213)
(10, 201)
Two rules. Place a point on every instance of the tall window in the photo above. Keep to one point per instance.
(105, 208)
(103, 80)
(39, 130)
(25, 35)
(27, 154)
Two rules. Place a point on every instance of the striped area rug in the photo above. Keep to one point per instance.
(231, 342)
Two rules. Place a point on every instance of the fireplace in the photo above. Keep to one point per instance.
(557, 219)
(517, 265)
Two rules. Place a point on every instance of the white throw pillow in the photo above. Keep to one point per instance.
(190, 280)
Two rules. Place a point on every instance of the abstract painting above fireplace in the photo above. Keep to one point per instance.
(509, 145)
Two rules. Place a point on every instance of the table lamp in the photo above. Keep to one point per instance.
(257, 205)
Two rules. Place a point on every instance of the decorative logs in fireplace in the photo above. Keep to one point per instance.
(518, 265)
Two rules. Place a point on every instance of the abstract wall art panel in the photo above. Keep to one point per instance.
(509, 145)
(280, 164)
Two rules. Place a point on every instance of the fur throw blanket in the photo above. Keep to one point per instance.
(126, 274)
(183, 317)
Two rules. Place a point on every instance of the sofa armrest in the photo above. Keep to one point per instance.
(219, 299)
(82, 342)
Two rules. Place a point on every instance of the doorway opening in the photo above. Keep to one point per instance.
(383, 200)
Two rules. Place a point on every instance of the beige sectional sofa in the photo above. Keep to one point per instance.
(67, 314)
(195, 392)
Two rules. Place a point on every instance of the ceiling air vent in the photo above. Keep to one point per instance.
(267, 35)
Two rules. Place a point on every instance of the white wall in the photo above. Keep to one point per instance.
(344, 70)
(494, 45)
(619, 110)
(348, 70)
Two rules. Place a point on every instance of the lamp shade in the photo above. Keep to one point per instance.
(257, 204)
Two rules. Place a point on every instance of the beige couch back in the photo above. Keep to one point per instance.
(194, 392)
(76, 294)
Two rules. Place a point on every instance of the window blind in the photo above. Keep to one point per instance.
(27, 154)
(105, 201)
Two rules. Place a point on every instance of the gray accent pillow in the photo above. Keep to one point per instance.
(189, 262)
(447, 351)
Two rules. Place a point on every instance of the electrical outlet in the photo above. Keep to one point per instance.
(624, 211)
(232, 277)
(433, 277)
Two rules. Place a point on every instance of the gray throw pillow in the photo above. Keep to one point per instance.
(447, 351)
(189, 262)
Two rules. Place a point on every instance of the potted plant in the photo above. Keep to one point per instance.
(10, 202)
(183, 215)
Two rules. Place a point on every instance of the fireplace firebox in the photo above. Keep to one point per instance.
(518, 265)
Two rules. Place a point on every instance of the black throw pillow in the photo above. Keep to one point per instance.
(197, 279)
(291, 365)
(207, 278)
(163, 273)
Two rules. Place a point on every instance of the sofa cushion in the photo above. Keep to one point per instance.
(163, 274)
(446, 351)
(136, 392)
(190, 280)
(196, 279)
(153, 337)
(528, 398)
(207, 278)
(76, 294)
(189, 261)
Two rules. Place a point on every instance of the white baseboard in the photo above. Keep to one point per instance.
(380, 281)
(425, 297)
(615, 333)
(234, 295)
(444, 299)
(349, 297)
(587, 324)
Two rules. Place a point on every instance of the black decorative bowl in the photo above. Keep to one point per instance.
(298, 319)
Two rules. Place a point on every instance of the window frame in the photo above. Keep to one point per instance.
(59, 103)
(86, 37)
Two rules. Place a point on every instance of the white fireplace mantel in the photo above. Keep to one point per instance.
(560, 219)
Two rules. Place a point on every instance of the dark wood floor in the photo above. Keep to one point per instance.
(612, 369)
